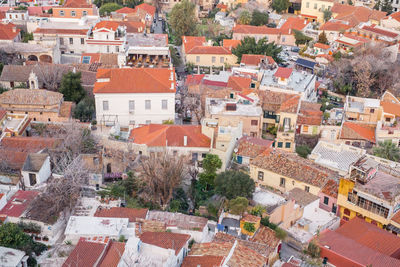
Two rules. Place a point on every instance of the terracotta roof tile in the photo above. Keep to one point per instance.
(244, 257)
(151, 10)
(358, 131)
(31, 97)
(8, 31)
(295, 167)
(135, 80)
(111, 25)
(209, 50)
(309, 114)
(133, 26)
(335, 26)
(331, 189)
(395, 16)
(322, 46)
(266, 236)
(118, 212)
(230, 43)
(17, 205)
(354, 15)
(194, 79)
(380, 31)
(283, 72)
(251, 218)
(85, 253)
(125, 10)
(255, 60)
(77, 4)
(248, 29)
(113, 254)
(279, 102)
(61, 31)
(203, 261)
(14, 159)
(238, 83)
(160, 135)
(188, 42)
(252, 147)
(28, 144)
(165, 240)
(295, 23)
(391, 108)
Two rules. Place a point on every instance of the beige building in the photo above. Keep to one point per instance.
(211, 56)
(363, 110)
(314, 9)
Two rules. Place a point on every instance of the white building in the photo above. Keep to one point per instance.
(13, 258)
(134, 96)
(106, 37)
(36, 169)
(88, 227)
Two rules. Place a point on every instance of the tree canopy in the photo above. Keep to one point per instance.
(249, 45)
(183, 20)
(387, 150)
(71, 87)
(322, 38)
(280, 5)
(301, 38)
(211, 164)
(384, 5)
(232, 184)
(327, 14)
(85, 109)
(238, 205)
(259, 18)
(107, 8)
(245, 17)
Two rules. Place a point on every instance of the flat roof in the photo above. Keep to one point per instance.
(147, 40)
(101, 226)
(298, 80)
(10, 257)
(218, 107)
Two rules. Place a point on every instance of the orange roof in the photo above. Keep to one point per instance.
(2, 113)
(238, 83)
(294, 23)
(8, 31)
(61, 31)
(255, 60)
(354, 15)
(395, 16)
(357, 131)
(28, 144)
(188, 42)
(209, 50)
(113, 254)
(391, 108)
(111, 25)
(322, 46)
(222, 6)
(335, 26)
(230, 43)
(135, 80)
(119, 212)
(248, 29)
(283, 72)
(85, 253)
(203, 261)
(133, 26)
(160, 135)
(148, 8)
(125, 10)
(77, 4)
(165, 240)
(251, 218)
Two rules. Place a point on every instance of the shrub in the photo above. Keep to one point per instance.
(303, 151)
(249, 227)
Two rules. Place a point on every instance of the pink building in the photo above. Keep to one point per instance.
(328, 197)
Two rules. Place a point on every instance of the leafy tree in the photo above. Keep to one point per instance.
(85, 109)
(349, 2)
(265, 221)
(387, 150)
(249, 45)
(180, 200)
(313, 249)
(219, 38)
(245, 17)
(258, 210)
(107, 8)
(249, 227)
(238, 205)
(327, 14)
(322, 38)
(301, 38)
(280, 5)
(384, 5)
(233, 184)
(280, 233)
(212, 13)
(211, 164)
(26, 36)
(303, 151)
(21, 7)
(259, 18)
(71, 87)
(183, 20)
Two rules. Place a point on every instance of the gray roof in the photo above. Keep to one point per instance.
(16, 73)
(302, 197)
(34, 162)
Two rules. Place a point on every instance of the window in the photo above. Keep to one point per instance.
(372, 110)
(261, 176)
(323, 7)
(315, 6)
(61, 13)
(147, 104)
(283, 39)
(213, 59)
(197, 59)
(148, 121)
(32, 179)
(254, 122)
(73, 13)
(131, 122)
(84, 13)
(61, 41)
(82, 41)
(221, 60)
(131, 105)
(305, 128)
(280, 144)
(164, 104)
(86, 59)
(346, 212)
(287, 145)
(326, 200)
(117, 49)
(307, 188)
(282, 182)
(71, 40)
(105, 105)
(108, 49)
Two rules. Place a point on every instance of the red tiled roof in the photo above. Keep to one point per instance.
(336, 26)
(85, 253)
(388, 107)
(28, 144)
(135, 80)
(125, 10)
(133, 26)
(119, 212)
(331, 189)
(17, 205)
(354, 15)
(188, 42)
(396, 217)
(357, 131)
(111, 25)
(194, 79)
(251, 218)
(380, 31)
(322, 46)
(2, 113)
(77, 4)
(255, 60)
(203, 261)
(113, 254)
(222, 6)
(283, 72)
(238, 83)
(294, 23)
(148, 8)
(248, 29)
(252, 147)
(61, 31)
(395, 16)
(165, 240)
(309, 114)
(160, 135)
(209, 50)
(8, 31)
(38, 10)
(230, 43)
(279, 102)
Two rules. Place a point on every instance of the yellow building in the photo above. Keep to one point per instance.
(363, 110)
(211, 56)
(286, 171)
(371, 192)
(314, 9)
(255, 220)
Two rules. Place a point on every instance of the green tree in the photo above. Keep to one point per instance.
(85, 109)
(387, 6)
(238, 205)
(245, 17)
(280, 5)
(303, 151)
(183, 20)
(211, 164)
(258, 210)
(301, 38)
(313, 249)
(387, 150)
(327, 14)
(349, 2)
(249, 227)
(26, 36)
(107, 8)
(322, 38)
(250, 46)
(259, 18)
(233, 184)
(71, 87)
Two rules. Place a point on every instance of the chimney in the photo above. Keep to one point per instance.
(172, 86)
(185, 140)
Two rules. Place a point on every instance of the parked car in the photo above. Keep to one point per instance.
(283, 64)
(294, 58)
(295, 49)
